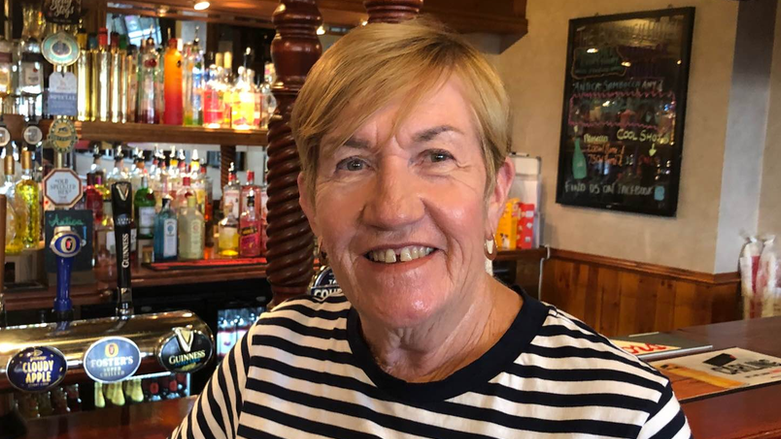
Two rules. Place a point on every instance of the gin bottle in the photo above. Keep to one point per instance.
(166, 233)
(191, 232)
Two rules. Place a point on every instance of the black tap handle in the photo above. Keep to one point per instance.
(121, 204)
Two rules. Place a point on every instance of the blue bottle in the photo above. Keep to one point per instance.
(166, 233)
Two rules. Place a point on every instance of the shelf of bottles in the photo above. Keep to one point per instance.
(71, 398)
(124, 91)
(174, 217)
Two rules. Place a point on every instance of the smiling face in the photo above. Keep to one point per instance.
(403, 214)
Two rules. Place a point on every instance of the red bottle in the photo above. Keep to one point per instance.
(249, 230)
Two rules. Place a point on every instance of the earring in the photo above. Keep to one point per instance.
(490, 249)
(321, 254)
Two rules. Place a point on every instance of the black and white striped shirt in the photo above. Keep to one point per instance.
(304, 371)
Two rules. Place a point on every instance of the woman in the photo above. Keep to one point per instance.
(403, 132)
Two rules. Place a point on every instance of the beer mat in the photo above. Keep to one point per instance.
(204, 263)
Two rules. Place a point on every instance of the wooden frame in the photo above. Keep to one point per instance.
(623, 113)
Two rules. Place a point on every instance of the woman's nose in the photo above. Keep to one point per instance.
(396, 200)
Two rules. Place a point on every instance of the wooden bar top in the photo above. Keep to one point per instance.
(751, 413)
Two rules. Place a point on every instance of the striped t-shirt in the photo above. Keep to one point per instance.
(304, 371)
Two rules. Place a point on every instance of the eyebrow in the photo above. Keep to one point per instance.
(426, 135)
(429, 134)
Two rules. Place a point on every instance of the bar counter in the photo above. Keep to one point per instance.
(752, 413)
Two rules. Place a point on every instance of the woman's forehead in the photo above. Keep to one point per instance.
(443, 108)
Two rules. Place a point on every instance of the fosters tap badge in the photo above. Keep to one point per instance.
(112, 359)
(36, 369)
(185, 350)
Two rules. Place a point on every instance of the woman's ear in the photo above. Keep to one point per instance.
(305, 199)
(498, 197)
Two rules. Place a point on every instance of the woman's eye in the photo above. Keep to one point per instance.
(351, 164)
(439, 156)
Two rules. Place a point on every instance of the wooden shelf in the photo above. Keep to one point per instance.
(138, 132)
(530, 255)
(102, 292)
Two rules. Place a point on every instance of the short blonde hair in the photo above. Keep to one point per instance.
(375, 64)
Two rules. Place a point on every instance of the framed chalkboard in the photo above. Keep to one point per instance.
(623, 115)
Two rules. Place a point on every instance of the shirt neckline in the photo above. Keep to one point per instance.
(515, 340)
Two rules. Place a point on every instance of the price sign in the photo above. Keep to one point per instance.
(62, 188)
(63, 96)
(37, 369)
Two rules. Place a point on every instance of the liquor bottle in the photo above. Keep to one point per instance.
(144, 202)
(173, 390)
(166, 233)
(231, 194)
(191, 229)
(269, 101)
(160, 85)
(105, 261)
(60, 401)
(196, 109)
(16, 213)
(187, 84)
(28, 190)
(99, 398)
(117, 76)
(254, 190)
(131, 84)
(101, 78)
(6, 71)
(92, 49)
(229, 235)
(249, 231)
(83, 71)
(173, 84)
(138, 171)
(213, 92)
(258, 111)
(119, 173)
(263, 217)
(94, 199)
(243, 106)
(45, 403)
(154, 391)
(31, 77)
(208, 207)
(95, 167)
(147, 88)
(184, 193)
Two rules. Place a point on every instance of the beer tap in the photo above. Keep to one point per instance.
(121, 204)
(65, 244)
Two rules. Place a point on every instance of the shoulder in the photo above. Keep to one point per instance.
(566, 343)
(303, 320)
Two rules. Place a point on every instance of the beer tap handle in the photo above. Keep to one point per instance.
(121, 204)
(65, 245)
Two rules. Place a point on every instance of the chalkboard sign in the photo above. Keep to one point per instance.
(623, 115)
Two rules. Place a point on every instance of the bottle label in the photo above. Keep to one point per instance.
(169, 238)
(31, 75)
(232, 198)
(228, 238)
(250, 241)
(146, 219)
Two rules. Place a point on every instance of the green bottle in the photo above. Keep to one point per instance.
(578, 162)
(144, 202)
(191, 232)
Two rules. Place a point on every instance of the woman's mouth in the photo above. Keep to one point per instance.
(404, 254)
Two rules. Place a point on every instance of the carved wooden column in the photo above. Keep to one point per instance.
(295, 49)
(392, 11)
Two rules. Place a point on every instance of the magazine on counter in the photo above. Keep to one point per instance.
(710, 373)
(655, 345)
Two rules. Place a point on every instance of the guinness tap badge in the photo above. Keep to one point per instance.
(185, 350)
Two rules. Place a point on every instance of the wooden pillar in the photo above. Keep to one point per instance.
(290, 247)
(392, 11)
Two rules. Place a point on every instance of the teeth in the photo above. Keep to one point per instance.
(405, 254)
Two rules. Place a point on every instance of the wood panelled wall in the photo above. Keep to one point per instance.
(618, 297)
